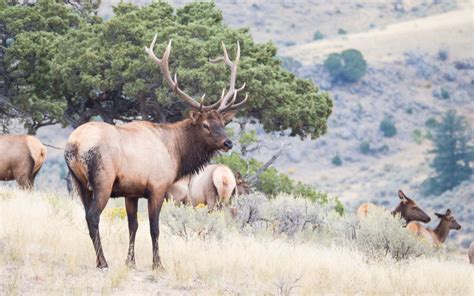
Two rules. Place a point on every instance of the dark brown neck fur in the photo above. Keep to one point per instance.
(442, 230)
(188, 149)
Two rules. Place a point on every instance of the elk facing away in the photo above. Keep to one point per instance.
(437, 236)
(21, 159)
(212, 186)
(143, 159)
(407, 209)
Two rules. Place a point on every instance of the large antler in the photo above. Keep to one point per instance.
(223, 103)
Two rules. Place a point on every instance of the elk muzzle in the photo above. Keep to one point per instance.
(227, 144)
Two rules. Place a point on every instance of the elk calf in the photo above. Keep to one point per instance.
(21, 158)
(407, 209)
(437, 236)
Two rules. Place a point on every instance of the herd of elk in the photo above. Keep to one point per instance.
(143, 159)
(21, 158)
(407, 209)
(212, 186)
(438, 235)
(147, 160)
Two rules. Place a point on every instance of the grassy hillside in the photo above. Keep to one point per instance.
(45, 249)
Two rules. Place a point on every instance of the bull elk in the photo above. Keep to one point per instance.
(21, 159)
(143, 159)
(407, 209)
(437, 236)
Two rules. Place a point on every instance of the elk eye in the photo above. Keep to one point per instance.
(206, 127)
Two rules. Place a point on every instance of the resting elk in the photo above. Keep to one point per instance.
(143, 159)
(21, 159)
(407, 209)
(212, 186)
(437, 236)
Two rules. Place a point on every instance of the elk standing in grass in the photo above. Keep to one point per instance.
(437, 236)
(21, 158)
(143, 159)
(407, 209)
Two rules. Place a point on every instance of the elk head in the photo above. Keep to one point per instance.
(409, 210)
(208, 121)
(243, 188)
(448, 218)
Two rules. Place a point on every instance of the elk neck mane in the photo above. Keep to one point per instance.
(186, 146)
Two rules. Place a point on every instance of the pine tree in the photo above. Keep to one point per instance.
(454, 154)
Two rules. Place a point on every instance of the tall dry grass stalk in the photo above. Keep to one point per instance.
(45, 249)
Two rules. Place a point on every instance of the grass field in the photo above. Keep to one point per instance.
(45, 249)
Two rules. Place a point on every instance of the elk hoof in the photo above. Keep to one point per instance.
(102, 265)
(130, 263)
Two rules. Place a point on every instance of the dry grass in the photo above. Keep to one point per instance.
(45, 249)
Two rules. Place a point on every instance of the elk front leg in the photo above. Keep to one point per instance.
(155, 201)
(131, 204)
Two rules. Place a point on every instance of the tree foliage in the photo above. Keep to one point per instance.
(347, 67)
(79, 69)
(453, 154)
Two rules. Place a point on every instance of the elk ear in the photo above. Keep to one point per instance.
(448, 212)
(228, 116)
(402, 196)
(439, 215)
(194, 116)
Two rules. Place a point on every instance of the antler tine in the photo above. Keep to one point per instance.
(230, 104)
(172, 83)
(238, 105)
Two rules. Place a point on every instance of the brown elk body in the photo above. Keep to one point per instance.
(407, 209)
(438, 235)
(471, 253)
(213, 186)
(21, 158)
(143, 159)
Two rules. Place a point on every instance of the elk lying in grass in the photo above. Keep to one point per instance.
(407, 209)
(437, 236)
(143, 159)
(21, 158)
(471, 253)
(213, 186)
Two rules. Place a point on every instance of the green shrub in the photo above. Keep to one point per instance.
(347, 67)
(387, 127)
(336, 160)
(381, 235)
(444, 94)
(341, 31)
(271, 182)
(318, 35)
(364, 147)
(417, 136)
